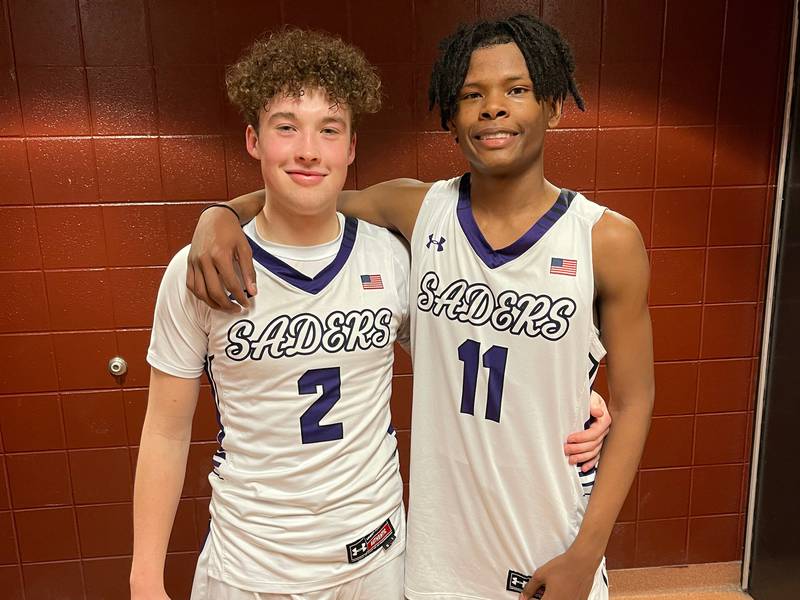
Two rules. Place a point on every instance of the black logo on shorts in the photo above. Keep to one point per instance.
(516, 583)
(382, 537)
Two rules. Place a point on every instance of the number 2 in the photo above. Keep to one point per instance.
(494, 359)
(311, 431)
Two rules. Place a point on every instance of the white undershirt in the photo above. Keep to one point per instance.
(308, 260)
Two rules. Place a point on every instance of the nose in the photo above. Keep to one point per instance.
(307, 151)
(494, 107)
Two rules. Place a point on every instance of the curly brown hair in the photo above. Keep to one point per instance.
(289, 60)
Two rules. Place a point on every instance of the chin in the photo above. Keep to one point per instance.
(312, 201)
(502, 164)
(497, 168)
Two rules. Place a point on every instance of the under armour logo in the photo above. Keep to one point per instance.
(515, 582)
(359, 549)
(439, 245)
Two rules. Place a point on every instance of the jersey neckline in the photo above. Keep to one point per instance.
(312, 285)
(496, 258)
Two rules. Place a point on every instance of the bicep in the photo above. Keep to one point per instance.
(179, 338)
(622, 273)
(171, 403)
(392, 204)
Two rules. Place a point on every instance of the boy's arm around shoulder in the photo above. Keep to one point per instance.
(220, 260)
(392, 204)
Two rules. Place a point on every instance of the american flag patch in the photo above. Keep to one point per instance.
(563, 266)
(371, 282)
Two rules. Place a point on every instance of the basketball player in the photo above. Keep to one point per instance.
(518, 290)
(307, 495)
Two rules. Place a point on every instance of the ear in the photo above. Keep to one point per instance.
(251, 141)
(351, 153)
(451, 127)
(555, 107)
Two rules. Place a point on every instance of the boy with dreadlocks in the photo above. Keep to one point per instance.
(306, 489)
(519, 288)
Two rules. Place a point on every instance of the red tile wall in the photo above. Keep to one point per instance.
(104, 104)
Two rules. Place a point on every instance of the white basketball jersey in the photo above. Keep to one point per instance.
(505, 350)
(306, 486)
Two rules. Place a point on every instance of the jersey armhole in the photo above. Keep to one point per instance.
(435, 190)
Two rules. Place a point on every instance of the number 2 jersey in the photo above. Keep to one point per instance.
(505, 351)
(306, 489)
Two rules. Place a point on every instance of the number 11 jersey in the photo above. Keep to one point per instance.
(505, 350)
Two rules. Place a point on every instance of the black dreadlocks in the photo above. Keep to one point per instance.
(547, 56)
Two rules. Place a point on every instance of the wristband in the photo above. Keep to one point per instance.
(219, 204)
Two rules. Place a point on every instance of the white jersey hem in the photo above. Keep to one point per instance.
(263, 587)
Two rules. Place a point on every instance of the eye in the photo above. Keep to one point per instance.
(470, 96)
(518, 90)
(285, 128)
(330, 131)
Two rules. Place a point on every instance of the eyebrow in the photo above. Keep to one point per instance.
(338, 120)
(283, 115)
(293, 117)
(507, 80)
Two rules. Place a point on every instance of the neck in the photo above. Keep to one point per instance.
(511, 194)
(276, 224)
(506, 207)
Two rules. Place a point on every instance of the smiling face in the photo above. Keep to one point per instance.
(499, 123)
(304, 145)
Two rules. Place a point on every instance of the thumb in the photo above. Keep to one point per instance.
(244, 255)
(597, 408)
(534, 588)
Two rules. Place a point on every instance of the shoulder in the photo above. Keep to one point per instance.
(400, 249)
(381, 239)
(614, 231)
(176, 269)
(371, 234)
(618, 252)
(173, 291)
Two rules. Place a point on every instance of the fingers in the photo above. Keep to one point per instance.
(594, 434)
(198, 286)
(214, 289)
(244, 254)
(231, 280)
(603, 421)
(590, 464)
(533, 589)
(584, 457)
(581, 448)
(597, 406)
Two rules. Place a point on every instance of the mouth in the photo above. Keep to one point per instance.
(495, 138)
(304, 177)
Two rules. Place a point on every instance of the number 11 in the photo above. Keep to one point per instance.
(494, 359)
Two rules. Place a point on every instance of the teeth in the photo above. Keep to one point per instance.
(496, 136)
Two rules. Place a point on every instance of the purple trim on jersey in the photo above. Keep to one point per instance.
(312, 285)
(496, 258)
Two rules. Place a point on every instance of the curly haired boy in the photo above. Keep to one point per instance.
(306, 489)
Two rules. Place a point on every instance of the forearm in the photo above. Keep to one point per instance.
(159, 479)
(392, 204)
(356, 204)
(248, 206)
(619, 461)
